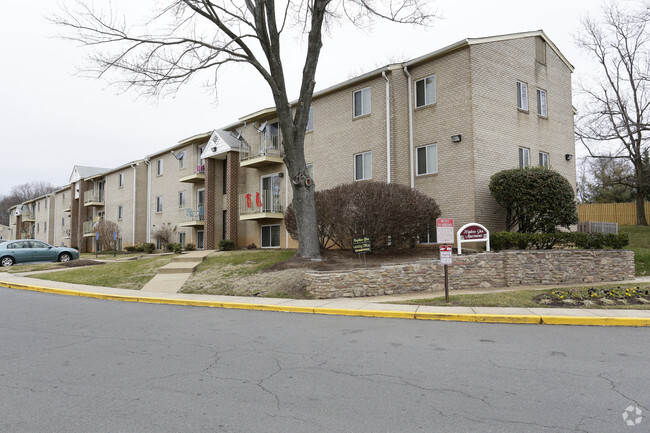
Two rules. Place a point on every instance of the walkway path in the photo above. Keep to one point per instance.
(171, 277)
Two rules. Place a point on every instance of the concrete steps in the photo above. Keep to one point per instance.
(171, 277)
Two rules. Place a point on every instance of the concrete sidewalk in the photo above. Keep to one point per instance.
(367, 306)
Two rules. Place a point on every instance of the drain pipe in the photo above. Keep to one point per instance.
(148, 162)
(383, 74)
(410, 85)
(135, 174)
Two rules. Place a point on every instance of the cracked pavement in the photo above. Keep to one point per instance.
(77, 365)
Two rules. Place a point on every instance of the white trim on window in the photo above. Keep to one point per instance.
(524, 157)
(543, 160)
(363, 166)
(181, 199)
(426, 159)
(159, 167)
(541, 103)
(159, 204)
(120, 180)
(425, 91)
(270, 236)
(361, 102)
(522, 95)
(120, 212)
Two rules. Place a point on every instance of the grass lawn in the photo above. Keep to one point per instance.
(29, 267)
(131, 274)
(239, 273)
(640, 244)
(518, 298)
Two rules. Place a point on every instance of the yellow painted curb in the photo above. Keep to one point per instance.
(477, 318)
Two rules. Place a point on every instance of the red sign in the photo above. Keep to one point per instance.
(445, 254)
(473, 232)
(445, 230)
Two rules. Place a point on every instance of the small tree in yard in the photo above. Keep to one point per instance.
(535, 199)
(391, 215)
(163, 234)
(107, 230)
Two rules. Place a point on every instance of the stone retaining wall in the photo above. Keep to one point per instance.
(486, 270)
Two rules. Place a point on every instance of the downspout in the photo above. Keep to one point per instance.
(135, 174)
(383, 74)
(146, 161)
(410, 85)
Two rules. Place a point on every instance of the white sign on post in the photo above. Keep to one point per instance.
(445, 254)
(445, 230)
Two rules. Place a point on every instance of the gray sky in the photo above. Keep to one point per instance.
(52, 119)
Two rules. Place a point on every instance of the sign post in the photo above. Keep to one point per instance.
(361, 246)
(445, 260)
(114, 244)
(96, 243)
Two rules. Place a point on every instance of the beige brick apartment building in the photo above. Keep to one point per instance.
(442, 123)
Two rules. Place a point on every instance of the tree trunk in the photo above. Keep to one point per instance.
(641, 190)
(640, 209)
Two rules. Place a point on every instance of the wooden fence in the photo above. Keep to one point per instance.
(622, 213)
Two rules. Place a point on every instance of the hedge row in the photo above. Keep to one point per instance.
(522, 241)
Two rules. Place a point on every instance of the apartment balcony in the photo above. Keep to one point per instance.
(192, 217)
(92, 198)
(197, 177)
(268, 152)
(88, 229)
(28, 216)
(260, 205)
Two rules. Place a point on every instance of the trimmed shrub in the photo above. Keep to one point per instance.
(536, 199)
(149, 247)
(514, 240)
(190, 247)
(226, 245)
(392, 215)
(174, 247)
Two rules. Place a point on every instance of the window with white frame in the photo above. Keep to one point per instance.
(159, 167)
(429, 236)
(45, 227)
(120, 212)
(543, 159)
(271, 236)
(522, 95)
(541, 103)
(362, 102)
(524, 157)
(181, 199)
(427, 159)
(310, 120)
(159, 204)
(363, 166)
(120, 180)
(181, 239)
(425, 91)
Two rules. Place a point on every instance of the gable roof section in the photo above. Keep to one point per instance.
(220, 143)
(80, 172)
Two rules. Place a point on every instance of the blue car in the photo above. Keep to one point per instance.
(23, 251)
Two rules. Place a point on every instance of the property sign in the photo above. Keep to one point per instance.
(97, 235)
(473, 232)
(114, 236)
(361, 245)
(445, 230)
(445, 254)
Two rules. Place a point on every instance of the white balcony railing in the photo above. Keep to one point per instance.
(269, 145)
(94, 197)
(190, 215)
(260, 202)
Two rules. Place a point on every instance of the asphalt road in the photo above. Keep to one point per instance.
(72, 364)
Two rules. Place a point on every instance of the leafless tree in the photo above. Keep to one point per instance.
(163, 233)
(21, 193)
(108, 231)
(616, 122)
(190, 36)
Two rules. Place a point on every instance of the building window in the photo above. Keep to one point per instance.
(271, 236)
(159, 204)
(181, 199)
(224, 224)
(524, 157)
(62, 222)
(181, 239)
(425, 91)
(362, 102)
(120, 212)
(541, 103)
(38, 205)
(38, 227)
(159, 167)
(522, 96)
(159, 244)
(46, 200)
(45, 227)
(63, 198)
(429, 236)
(225, 175)
(310, 119)
(120, 180)
(427, 159)
(363, 166)
(543, 159)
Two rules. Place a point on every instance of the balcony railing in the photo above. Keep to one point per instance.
(263, 204)
(88, 228)
(27, 215)
(197, 176)
(192, 217)
(92, 198)
(269, 150)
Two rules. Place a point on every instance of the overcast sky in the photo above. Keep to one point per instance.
(53, 119)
